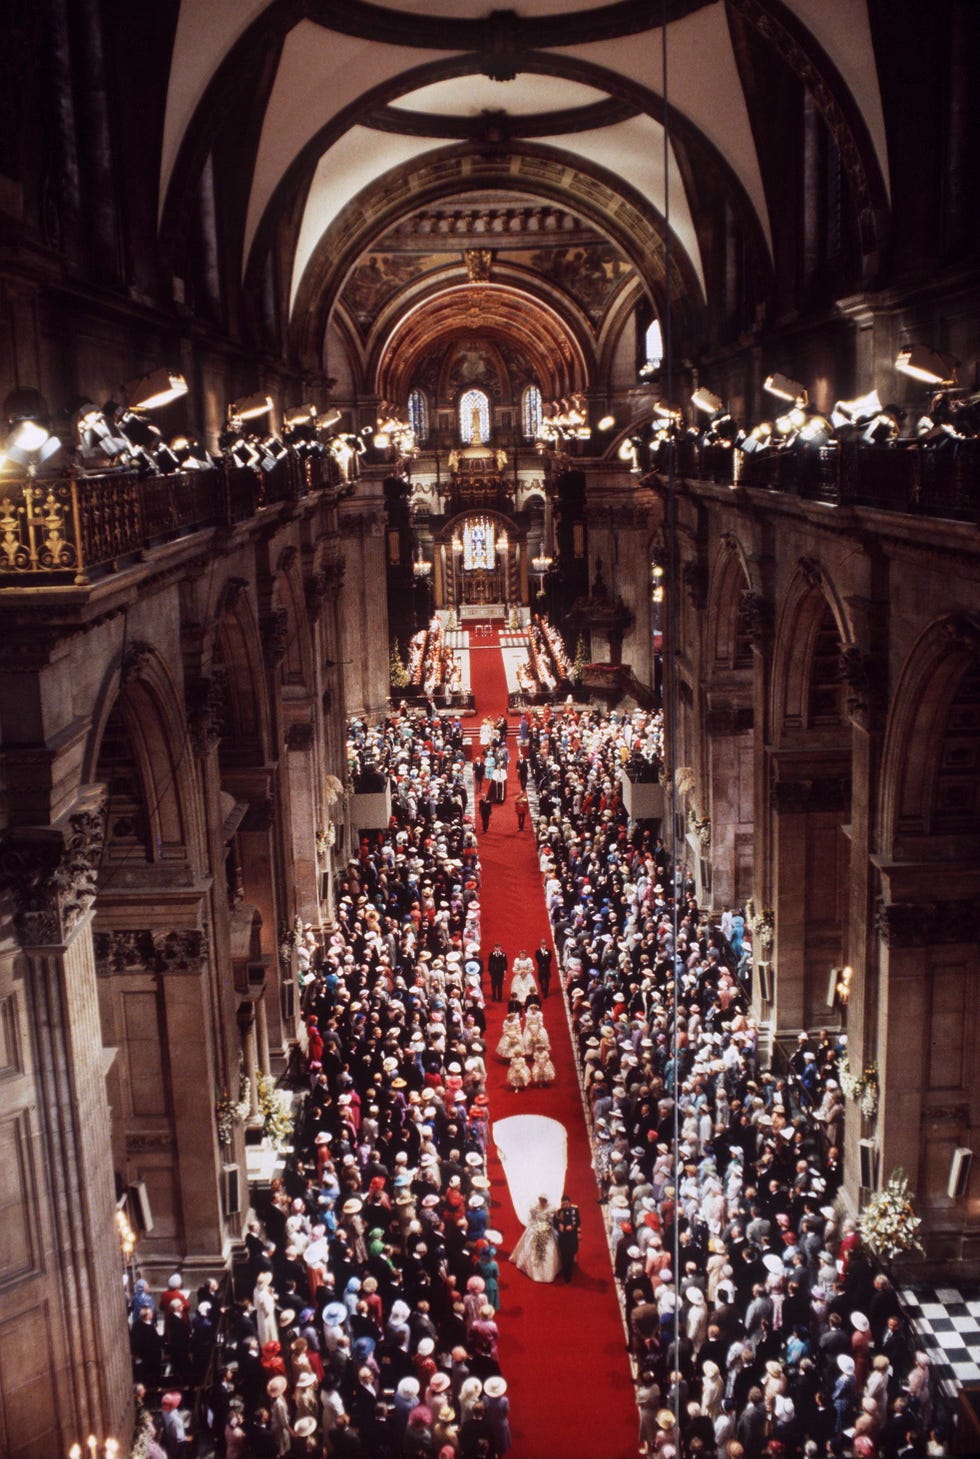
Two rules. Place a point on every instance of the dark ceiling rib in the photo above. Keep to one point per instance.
(494, 125)
(499, 34)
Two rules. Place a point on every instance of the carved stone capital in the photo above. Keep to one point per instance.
(180, 952)
(206, 700)
(300, 736)
(51, 872)
(926, 924)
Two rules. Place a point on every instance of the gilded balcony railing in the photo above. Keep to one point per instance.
(72, 528)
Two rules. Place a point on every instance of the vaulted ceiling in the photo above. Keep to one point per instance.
(356, 118)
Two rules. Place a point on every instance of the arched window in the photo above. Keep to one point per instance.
(654, 344)
(418, 415)
(474, 417)
(531, 412)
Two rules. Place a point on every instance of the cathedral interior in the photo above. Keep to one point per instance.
(655, 326)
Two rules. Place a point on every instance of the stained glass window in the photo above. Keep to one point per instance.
(418, 415)
(478, 544)
(531, 412)
(474, 418)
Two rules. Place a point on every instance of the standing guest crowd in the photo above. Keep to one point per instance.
(753, 1312)
(365, 1326)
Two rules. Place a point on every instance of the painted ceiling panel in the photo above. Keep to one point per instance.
(634, 151)
(844, 31)
(206, 32)
(703, 83)
(319, 74)
(360, 157)
(466, 96)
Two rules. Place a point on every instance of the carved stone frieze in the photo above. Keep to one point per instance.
(695, 579)
(756, 611)
(275, 635)
(727, 720)
(206, 702)
(145, 1142)
(796, 797)
(923, 924)
(51, 872)
(962, 633)
(812, 572)
(135, 660)
(135, 950)
(287, 557)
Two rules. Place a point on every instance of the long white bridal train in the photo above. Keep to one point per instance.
(533, 1151)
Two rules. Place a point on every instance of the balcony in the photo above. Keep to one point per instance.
(75, 529)
(920, 480)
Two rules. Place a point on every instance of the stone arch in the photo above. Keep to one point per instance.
(924, 754)
(238, 657)
(297, 667)
(729, 632)
(143, 737)
(811, 603)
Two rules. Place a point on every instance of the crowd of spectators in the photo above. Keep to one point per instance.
(365, 1325)
(753, 1311)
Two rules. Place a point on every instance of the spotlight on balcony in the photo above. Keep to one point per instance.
(28, 440)
(707, 402)
(300, 415)
(250, 406)
(786, 389)
(927, 365)
(159, 387)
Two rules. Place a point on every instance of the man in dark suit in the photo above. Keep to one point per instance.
(544, 958)
(497, 967)
(568, 1224)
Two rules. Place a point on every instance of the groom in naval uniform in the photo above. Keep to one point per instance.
(568, 1223)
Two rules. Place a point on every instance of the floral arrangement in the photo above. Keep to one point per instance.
(863, 1088)
(276, 1107)
(228, 1112)
(397, 671)
(889, 1225)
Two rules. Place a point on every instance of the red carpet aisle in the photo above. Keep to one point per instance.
(562, 1347)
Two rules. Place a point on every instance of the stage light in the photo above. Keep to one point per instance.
(300, 415)
(816, 430)
(853, 412)
(324, 422)
(758, 438)
(159, 387)
(707, 402)
(926, 364)
(250, 406)
(786, 389)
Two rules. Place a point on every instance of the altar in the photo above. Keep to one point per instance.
(470, 612)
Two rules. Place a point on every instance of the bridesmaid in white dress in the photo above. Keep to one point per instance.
(536, 1253)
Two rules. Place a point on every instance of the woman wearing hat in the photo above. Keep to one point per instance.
(860, 1348)
(279, 1414)
(496, 1406)
(264, 1302)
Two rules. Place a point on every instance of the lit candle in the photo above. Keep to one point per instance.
(92, 1446)
(75, 1452)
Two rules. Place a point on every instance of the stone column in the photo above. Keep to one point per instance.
(50, 874)
(262, 1035)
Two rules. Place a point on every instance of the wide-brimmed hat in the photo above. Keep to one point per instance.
(306, 1380)
(171, 1400)
(439, 1382)
(846, 1364)
(408, 1388)
(495, 1387)
(286, 1317)
(426, 1347)
(305, 1427)
(277, 1386)
(665, 1419)
(861, 1322)
(352, 1206)
(334, 1314)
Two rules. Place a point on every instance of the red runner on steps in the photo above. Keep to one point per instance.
(562, 1348)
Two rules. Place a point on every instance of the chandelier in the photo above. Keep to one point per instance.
(421, 568)
(542, 564)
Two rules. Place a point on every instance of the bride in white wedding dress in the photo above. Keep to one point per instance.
(536, 1253)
